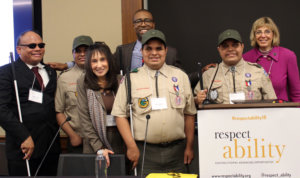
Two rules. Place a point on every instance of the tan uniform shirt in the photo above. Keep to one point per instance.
(65, 97)
(165, 125)
(250, 78)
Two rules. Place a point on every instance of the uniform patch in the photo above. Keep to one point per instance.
(174, 79)
(143, 102)
(248, 75)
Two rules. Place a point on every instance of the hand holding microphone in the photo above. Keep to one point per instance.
(201, 96)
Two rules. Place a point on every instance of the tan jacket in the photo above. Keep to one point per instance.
(88, 129)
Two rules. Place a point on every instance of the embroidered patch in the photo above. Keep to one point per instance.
(143, 102)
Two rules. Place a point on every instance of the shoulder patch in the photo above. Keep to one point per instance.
(254, 64)
(64, 71)
(134, 70)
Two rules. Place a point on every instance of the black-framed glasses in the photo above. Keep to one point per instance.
(140, 21)
(33, 45)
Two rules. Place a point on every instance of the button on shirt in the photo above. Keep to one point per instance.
(136, 60)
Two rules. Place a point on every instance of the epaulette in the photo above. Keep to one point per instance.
(64, 71)
(134, 70)
(254, 64)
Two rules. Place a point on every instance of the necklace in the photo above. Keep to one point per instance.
(269, 72)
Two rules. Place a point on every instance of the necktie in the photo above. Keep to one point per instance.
(38, 76)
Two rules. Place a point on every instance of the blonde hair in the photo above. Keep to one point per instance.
(265, 22)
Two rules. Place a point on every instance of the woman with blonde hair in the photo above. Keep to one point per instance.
(279, 63)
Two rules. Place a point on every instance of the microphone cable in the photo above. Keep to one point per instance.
(40, 165)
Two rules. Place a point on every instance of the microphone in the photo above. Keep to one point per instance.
(145, 141)
(207, 101)
(232, 70)
(67, 120)
(200, 75)
(121, 60)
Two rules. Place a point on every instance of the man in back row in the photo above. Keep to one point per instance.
(129, 56)
(234, 78)
(66, 97)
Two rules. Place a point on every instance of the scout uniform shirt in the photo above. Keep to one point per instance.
(66, 96)
(250, 78)
(165, 125)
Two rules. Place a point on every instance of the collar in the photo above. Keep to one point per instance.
(239, 67)
(138, 45)
(76, 67)
(163, 70)
(274, 53)
(39, 65)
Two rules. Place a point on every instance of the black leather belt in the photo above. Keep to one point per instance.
(112, 129)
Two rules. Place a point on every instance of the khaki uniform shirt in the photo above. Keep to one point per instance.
(250, 78)
(65, 97)
(165, 125)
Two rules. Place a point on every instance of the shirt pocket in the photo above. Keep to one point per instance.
(141, 102)
(216, 93)
(177, 101)
(71, 96)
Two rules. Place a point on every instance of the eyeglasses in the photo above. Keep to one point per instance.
(141, 21)
(259, 32)
(33, 45)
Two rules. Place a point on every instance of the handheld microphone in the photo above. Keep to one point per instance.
(207, 101)
(67, 120)
(145, 141)
(121, 60)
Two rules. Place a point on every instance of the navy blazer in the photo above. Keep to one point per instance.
(39, 120)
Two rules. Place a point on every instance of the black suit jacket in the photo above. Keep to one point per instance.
(39, 120)
(123, 57)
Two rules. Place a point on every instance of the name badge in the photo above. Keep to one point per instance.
(35, 96)
(236, 96)
(110, 121)
(159, 103)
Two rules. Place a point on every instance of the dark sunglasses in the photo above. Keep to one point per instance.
(33, 45)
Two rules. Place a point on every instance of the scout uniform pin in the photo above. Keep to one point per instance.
(176, 89)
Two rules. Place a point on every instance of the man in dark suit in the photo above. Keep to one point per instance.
(131, 57)
(36, 87)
